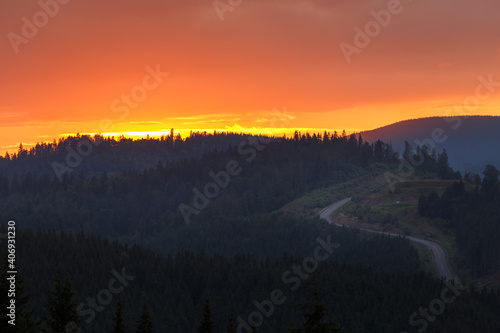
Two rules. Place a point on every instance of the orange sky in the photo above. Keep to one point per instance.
(268, 64)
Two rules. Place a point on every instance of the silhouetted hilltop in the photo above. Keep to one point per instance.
(94, 155)
(471, 142)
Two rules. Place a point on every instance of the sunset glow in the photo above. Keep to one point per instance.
(265, 67)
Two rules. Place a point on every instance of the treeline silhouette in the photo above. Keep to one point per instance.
(425, 161)
(95, 154)
(112, 154)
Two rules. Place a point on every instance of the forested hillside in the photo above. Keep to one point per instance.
(175, 289)
(96, 154)
(168, 207)
(474, 216)
(213, 227)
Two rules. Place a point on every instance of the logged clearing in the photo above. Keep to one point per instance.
(397, 211)
(375, 206)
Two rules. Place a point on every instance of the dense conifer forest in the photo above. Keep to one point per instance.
(160, 205)
(474, 216)
(175, 289)
(190, 235)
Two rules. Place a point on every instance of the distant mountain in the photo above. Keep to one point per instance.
(471, 142)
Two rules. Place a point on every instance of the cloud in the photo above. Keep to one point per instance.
(9, 115)
(262, 120)
(201, 116)
(7, 112)
(208, 121)
(146, 122)
(444, 64)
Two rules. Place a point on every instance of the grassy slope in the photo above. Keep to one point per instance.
(372, 189)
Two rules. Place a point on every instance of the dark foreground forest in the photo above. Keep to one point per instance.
(175, 288)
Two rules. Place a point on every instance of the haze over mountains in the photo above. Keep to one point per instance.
(469, 141)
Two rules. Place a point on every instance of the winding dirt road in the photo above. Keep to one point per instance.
(438, 254)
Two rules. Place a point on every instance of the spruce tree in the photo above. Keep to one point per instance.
(231, 325)
(118, 319)
(144, 323)
(407, 152)
(62, 310)
(490, 181)
(443, 166)
(314, 318)
(206, 325)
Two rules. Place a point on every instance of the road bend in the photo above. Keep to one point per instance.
(438, 255)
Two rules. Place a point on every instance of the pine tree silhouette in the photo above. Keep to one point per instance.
(206, 325)
(314, 318)
(118, 319)
(231, 325)
(62, 309)
(144, 323)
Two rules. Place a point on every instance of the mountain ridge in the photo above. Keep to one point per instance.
(467, 139)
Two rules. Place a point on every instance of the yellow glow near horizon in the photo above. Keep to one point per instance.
(138, 135)
(273, 132)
